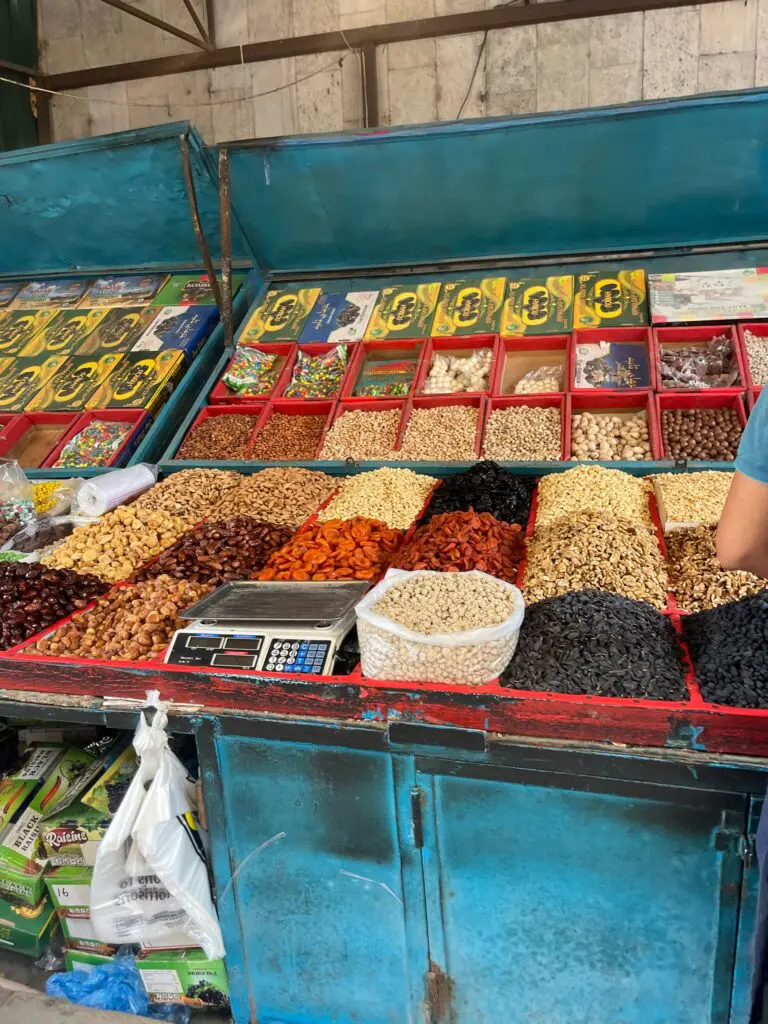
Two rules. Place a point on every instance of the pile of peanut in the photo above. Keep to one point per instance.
(696, 576)
(443, 434)
(394, 496)
(114, 546)
(605, 438)
(285, 497)
(439, 603)
(129, 624)
(523, 433)
(595, 551)
(192, 493)
(589, 488)
(359, 434)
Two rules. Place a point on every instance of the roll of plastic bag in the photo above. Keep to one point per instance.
(150, 877)
(103, 493)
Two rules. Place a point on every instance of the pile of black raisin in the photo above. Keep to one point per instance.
(207, 994)
(486, 487)
(591, 642)
(729, 649)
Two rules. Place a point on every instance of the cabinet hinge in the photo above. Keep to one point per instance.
(417, 818)
(730, 841)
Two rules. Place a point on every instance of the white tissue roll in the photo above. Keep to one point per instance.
(103, 493)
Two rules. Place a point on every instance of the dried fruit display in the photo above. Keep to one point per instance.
(33, 597)
(462, 541)
(349, 549)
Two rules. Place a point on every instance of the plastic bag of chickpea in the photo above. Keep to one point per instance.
(449, 627)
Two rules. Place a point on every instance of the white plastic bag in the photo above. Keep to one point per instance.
(391, 651)
(150, 877)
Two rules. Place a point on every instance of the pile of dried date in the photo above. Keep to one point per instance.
(219, 552)
(33, 597)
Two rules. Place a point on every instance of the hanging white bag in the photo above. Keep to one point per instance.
(150, 876)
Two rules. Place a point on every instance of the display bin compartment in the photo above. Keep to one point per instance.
(618, 403)
(712, 398)
(617, 336)
(314, 349)
(550, 400)
(680, 337)
(378, 351)
(223, 395)
(367, 405)
(6, 419)
(759, 328)
(461, 347)
(139, 420)
(31, 437)
(243, 409)
(517, 356)
(292, 407)
(478, 402)
(752, 396)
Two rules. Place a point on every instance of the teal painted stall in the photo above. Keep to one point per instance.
(426, 856)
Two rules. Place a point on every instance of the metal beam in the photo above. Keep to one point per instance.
(211, 19)
(329, 42)
(18, 69)
(198, 24)
(157, 22)
(370, 74)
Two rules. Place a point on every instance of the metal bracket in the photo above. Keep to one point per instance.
(197, 225)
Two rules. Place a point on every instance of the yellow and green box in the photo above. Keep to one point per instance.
(119, 330)
(280, 317)
(611, 298)
(64, 333)
(469, 306)
(537, 305)
(73, 384)
(26, 930)
(404, 311)
(142, 380)
(19, 327)
(69, 889)
(23, 378)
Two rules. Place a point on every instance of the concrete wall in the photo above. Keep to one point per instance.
(573, 64)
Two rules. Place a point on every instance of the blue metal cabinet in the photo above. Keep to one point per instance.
(564, 905)
(742, 979)
(312, 897)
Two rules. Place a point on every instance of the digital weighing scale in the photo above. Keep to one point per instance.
(269, 626)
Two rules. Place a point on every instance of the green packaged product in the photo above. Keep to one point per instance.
(27, 930)
(79, 934)
(611, 299)
(69, 889)
(468, 306)
(72, 836)
(188, 978)
(79, 960)
(538, 305)
(110, 787)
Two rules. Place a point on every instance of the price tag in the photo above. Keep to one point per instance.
(73, 895)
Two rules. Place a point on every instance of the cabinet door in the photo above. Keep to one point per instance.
(741, 1002)
(309, 882)
(565, 906)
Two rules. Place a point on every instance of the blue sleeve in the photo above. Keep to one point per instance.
(752, 459)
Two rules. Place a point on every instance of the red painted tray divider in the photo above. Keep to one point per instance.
(663, 336)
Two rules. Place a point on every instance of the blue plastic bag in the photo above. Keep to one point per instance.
(115, 985)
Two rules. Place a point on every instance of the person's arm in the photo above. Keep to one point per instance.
(742, 536)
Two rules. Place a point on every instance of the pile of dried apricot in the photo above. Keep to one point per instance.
(461, 541)
(339, 549)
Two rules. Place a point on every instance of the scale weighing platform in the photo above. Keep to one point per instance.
(268, 627)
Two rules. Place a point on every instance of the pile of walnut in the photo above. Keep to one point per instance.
(696, 576)
(129, 624)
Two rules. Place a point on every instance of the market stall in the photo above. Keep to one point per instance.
(558, 817)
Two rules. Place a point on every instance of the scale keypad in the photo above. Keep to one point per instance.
(299, 656)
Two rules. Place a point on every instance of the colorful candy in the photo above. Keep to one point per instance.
(94, 445)
(387, 378)
(318, 376)
(45, 496)
(251, 372)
